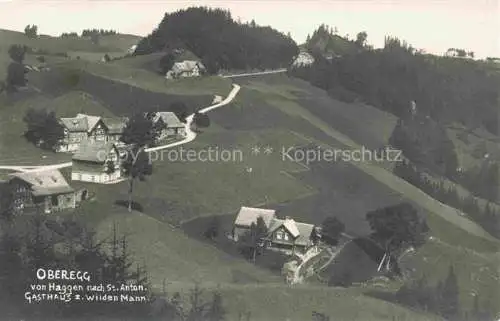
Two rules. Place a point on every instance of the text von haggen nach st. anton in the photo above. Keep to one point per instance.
(66, 286)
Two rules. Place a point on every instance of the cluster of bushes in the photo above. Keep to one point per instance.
(219, 41)
(16, 72)
(31, 31)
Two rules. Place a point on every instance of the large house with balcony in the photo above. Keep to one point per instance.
(283, 235)
(46, 191)
(91, 128)
(97, 162)
(79, 128)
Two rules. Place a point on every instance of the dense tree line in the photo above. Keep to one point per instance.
(482, 180)
(487, 216)
(219, 41)
(68, 34)
(445, 88)
(101, 32)
(325, 40)
(427, 144)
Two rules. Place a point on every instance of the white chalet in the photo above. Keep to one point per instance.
(303, 59)
(186, 68)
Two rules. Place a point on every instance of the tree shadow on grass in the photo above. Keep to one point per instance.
(135, 206)
(197, 229)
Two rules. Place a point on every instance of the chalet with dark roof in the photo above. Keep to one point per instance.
(46, 190)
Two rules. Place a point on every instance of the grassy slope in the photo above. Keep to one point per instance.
(224, 195)
(152, 81)
(14, 149)
(151, 61)
(281, 302)
(112, 43)
(385, 177)
(468, 240)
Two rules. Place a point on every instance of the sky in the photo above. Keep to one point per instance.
(432, 25)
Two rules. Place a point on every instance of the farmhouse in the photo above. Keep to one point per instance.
(96, 162)
(303, 59)
(46, 190)
(173, 126)
(115, 128)
(283, 235)
(289, 236)
(186, 68)
(93, 128)
(82, 127)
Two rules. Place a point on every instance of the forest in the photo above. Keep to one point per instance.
(221, 42)
(447, 89)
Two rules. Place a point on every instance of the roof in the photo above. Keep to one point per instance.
(47, 182)
(115, 125)
(169, 118)
(248, 215)
(288, 223)
(95, 152)
(75, 124)
(305, 231)
(186, 65)
(80, 123)
(91, 120)
(300, 231)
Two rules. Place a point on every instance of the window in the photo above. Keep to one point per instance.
(286, 236)
(55, 201)
(280, 235)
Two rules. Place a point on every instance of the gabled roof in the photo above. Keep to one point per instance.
(169, 118)
(186, 65)
(91, 120)
(248, 215)
(115, 125)
(301, 232)
(95, 152)
(288, 224)
(75, 124)
(305, 231)
(80, 123)
(47, 182)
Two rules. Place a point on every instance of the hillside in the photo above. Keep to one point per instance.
(326, 41)
(57, 49)
(219, 41)
(346, 104)
(52, 45)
